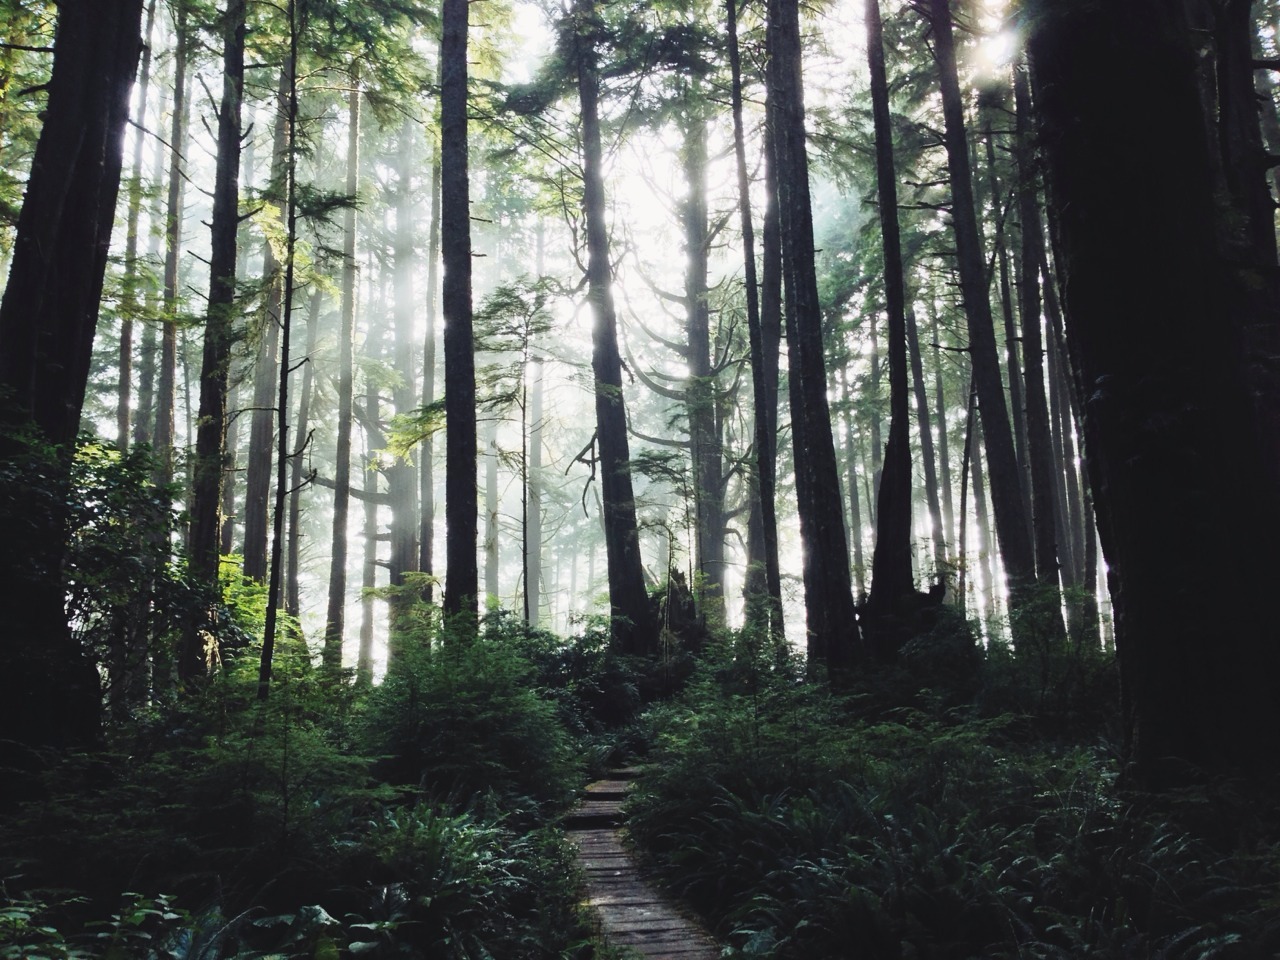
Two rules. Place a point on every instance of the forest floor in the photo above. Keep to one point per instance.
(633, 914)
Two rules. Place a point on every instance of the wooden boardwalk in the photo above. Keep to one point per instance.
(632, 913)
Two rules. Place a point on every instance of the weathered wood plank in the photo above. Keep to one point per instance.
(632, 912)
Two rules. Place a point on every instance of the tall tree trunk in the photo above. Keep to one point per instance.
(633, 626)
(129, 298)
(834, 638)
(925, 424)
(1045, 477)
(940, 407)
(49, 692)
(873, 420)
(701, 392)
(1012, 527)
(986, 544)
(855, 507)
(369, 569)
(402, 476)
(492, 595)
(533, 491)
(763, 584)
(427, 481)
(335, 618)
(276, 568)
(262, 422)
(1017, 404)
(463, 584)
(166, 385)
(292, 598)
(1163, 339)
(219, 334)
(892, 581)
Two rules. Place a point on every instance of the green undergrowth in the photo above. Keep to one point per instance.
(808, 823)
(416, 818)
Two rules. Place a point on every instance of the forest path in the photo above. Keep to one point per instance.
(633, 914)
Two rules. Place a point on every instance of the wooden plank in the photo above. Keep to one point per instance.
(633, 914)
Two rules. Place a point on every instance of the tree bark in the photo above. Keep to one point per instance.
(129, 295)
(1012, 526)
(461, 521)
(892, 581)
(633, 628)
(297, 460)
(49, 692)
(262, 423)
(166, 382)
(335, 616)
(763, 583)
(927, 458)
(834, 638)
(1163, 340)
(427, 481)
(219, 335)
(702, 391)
(402, 476)
(1045, 477)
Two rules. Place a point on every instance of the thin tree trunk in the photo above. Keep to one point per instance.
(986, 544)
(1017, 405)
(166, 387)
(276, 569)
(427, 481)
(533, 500)
(262, 424)
(938, 531)
(940, 407)
(492, 596)
(335, 617)
(855, 508)
(762, 587)
(129, 299)
(293, 600)
(369, 575)
(402, 476)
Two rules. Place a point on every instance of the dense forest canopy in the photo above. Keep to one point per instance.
(887, 339)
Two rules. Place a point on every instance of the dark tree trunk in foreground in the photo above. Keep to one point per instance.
(834, 638)
(49, 692)
(462, 586)
(633, 627)
(892, 580)
(1164, 334)
(1012, 527)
